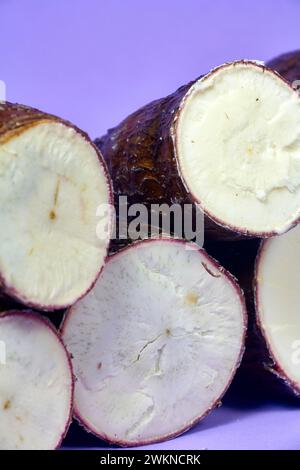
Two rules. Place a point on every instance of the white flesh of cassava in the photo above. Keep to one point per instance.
(238, 144)
(35, 384)
(277, 300)
(155, 343)
(51, 185)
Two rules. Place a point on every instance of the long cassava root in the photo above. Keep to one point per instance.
(211, 142)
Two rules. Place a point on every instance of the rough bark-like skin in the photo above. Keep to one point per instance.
(141, 159)
(15, 118)
(287, 65)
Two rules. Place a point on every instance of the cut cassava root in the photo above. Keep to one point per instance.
(155, 343)
(36, 383)
(228, 141)
(267, 273)
(256, 375)
(277, 280)
(273, 351)
(52, 181)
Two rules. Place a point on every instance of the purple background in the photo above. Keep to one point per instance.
(93, 62)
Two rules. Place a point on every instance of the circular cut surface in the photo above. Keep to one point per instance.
(155, 343)
(277, 301)
(238, 145)
(52, 182)
(36, 384)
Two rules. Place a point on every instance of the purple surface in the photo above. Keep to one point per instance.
(95, 61)
(262, 427)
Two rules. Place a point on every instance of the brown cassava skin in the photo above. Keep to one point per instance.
(15, 118)
(287, 65)
(141, 158)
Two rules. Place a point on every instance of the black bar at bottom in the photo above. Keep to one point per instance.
(141, 458)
